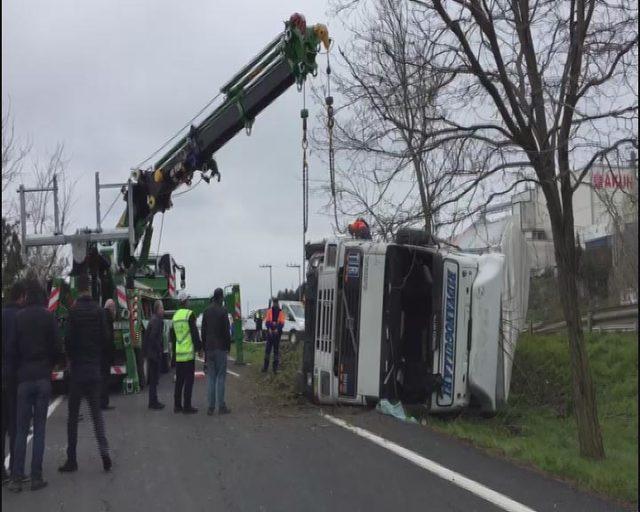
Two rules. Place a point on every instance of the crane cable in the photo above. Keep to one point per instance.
(110, 207)
(304, 114)
(330, 123)
(209, 103)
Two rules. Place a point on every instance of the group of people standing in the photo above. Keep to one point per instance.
(31, 346)
(213, 341)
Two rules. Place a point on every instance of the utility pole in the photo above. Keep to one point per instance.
(295, 265)
(270, 280)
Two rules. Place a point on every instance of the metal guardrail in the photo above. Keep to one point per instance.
(618, 318)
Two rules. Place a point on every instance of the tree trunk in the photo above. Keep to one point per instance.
(423, 194)
(586, 411)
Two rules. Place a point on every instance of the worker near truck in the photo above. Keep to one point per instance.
(216, 339)
(17, 297)
(152, 350)
(109, 311)
(257, 318)
(85, 335)
(185, 340)
(274, 321)
(35, 350)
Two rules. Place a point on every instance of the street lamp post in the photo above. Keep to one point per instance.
(270, 280)
(295, 265)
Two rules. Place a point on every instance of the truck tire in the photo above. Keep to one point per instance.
(410, 236)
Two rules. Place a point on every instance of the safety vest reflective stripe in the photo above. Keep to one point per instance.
(184, 343)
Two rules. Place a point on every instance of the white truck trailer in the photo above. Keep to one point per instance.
(405, 321)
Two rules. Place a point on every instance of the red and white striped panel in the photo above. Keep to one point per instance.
(118, 370)
(238, 314)
(121, 294)
(171, 285)
(54, 299)
(57, 376)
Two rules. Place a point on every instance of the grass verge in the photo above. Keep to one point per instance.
(280, 389)
(538, 427)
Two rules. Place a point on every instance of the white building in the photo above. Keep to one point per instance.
(603, 203)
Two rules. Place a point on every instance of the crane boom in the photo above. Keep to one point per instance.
(288, 59)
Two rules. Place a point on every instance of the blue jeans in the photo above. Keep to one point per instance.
(33, 402)
(216, 376)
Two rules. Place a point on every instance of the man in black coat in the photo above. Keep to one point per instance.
(109, 312)
(34, 351)
(85, 335)
(9, 377)
(153, 349)
(216, 339)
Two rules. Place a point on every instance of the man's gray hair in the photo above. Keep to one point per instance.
(110, 305)
(157, 305)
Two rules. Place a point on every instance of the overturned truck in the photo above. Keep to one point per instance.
(409, 321)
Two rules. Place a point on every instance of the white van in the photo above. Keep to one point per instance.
(293, 320)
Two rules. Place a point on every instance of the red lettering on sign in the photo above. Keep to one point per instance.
(597, 180)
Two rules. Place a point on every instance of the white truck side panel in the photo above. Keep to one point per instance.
(372, 295)
(485, 359)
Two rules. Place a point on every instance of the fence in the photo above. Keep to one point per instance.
(619, 318)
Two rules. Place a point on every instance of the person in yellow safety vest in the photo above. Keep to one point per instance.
(274, 321)
(186, 342)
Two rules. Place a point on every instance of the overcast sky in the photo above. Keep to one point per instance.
(112, 80)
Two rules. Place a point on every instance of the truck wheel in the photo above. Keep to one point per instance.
(293, 337)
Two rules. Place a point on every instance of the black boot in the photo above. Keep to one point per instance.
(37, 484)
(68, 467)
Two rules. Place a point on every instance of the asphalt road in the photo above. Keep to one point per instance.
(273, 459)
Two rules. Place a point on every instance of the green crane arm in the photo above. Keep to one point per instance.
(288, 59)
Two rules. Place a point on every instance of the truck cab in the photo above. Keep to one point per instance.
(415, 323)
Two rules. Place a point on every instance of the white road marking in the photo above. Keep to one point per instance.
(494, 497)
(50, 409)
(228, 371)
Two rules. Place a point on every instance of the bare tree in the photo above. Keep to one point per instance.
(48, 261)
(14, 154)
(19, 165)
(550, 86)
(389, 101)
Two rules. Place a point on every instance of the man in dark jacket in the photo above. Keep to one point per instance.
(84, 340)
(152, 349)
(9, 379)
(216, 339)
(106, 361)
(257, 318)
(35, 350)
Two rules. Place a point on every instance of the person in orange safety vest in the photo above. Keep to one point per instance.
(360, 229)
(274, 322)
